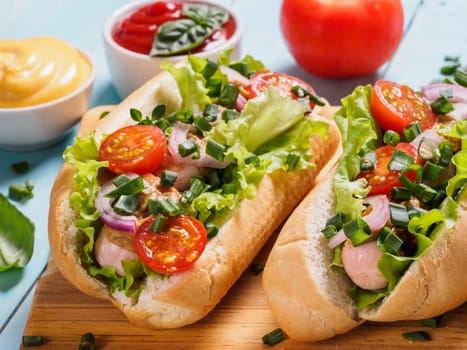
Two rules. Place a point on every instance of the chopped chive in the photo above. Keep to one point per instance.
(391, 138)
(20, 167)
(210, 112)
(126, 204)
(337, 220)
(21, 192)
(188, 147)
(210, 68)
(32, 340)
(414, 169)
(398, 214)
(368, 161)
(432, 171)
(168, 177)
(257, 268)
(202, 124)
(417, 335)
(155, 207)
(445, 153)
(171, 207)
(392, 243)
(357, 231)
(460, 76)
(214, 87)
(329, 231)
(449, 69)
(400, 161)
(274, 337)
(197, 187)
(433, 322)
(400, 193)
(86, 342)
(301, 92)
(442, 105)
(424, 192)
(228, 96)
(241, 67)
(412, 131)
(230, 114)
(133, 186)
(214, 179)
(158, 224)
(216, 150)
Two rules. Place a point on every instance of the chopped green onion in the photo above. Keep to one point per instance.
(412, 169)
(126, 204)
(184, 116)
(202, 124)
(391, 138)
(168, 177)
(400, 193)
(21, 192)
(215, 150)
(228, 96)
(329, 231)
(20, 168)
(86, 342)
(257, 268)
(155, 207)
(214, 180)
(158, 224)
(368, 161)
(188, 147)
(210, 112)
(442, 105)
(120, 180)
(433, 322)
(417, 335)
(241, 67)
(133, 186)
(398, 214)
(432, 171)
(337, 220)
(424, 192)
(197, 187)
(212, 229)
(445, 153)
(412, 131)
(210, 68)
(214, 87)
(357, 231)
(230, 114)
(292, 161)
(274, 337)
(301, 92)
(449, 69)
(392, 243)
(171, 207)
(400, 161)
(32, 340)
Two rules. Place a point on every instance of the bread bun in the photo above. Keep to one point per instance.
(186, 297)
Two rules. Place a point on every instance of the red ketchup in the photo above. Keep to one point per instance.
(136, 32)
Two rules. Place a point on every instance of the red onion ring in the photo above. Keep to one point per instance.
(108, 215)
(433, 92)
(425, 150)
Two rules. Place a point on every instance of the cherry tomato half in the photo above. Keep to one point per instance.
(381, 179)
(283, 82)
(336, 38)
(136, 148)
(396, 106)
(173, 250)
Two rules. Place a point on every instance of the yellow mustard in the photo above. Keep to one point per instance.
(39, 70)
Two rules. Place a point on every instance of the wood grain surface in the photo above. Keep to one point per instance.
(61, 314)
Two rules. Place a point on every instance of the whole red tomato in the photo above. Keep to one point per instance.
(341, 38)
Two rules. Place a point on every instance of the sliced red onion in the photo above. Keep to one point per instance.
(108, 215)
(240, 103)
(379, 214)
(337, 239)
(179, 134)
(234, 76)
(434, 91)
(459, 112)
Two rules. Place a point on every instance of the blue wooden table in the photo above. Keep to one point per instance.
(433, 30)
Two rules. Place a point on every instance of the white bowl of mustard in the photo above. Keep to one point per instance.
(45, 88)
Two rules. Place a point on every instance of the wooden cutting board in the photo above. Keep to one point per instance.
(61, 314)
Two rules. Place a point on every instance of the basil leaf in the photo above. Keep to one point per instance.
(174, 37)
(16, 236)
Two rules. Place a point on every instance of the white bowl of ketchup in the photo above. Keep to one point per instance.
(129, 33)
